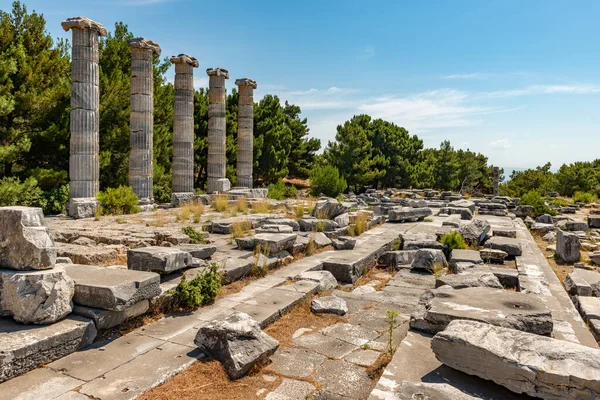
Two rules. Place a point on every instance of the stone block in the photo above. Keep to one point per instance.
(461, 255)
(582, 282)
(105, 319)
(36, 297)
(397, 258)
(112, 289)
(509, 278)
(475, 231)
(493, 306)
(158, 259)
(23, 348)
(465, 213)
(325, 279)
(82, 207)
(26, 244)
(522, 362)
(329, 305)
(310, 224)
(201, 251)
(512, 247)
(273, 242)
(593, 221)
(404, 214)
(568, 246)
(492, 256)
(87, 255)
(476, 278)
(329, 209)
(429, 260)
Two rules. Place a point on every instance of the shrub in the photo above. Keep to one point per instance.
(196, 237)
(326, 179)
(584, 197)
(533, 198)
(118, 201)
(280, 190)
(161, 186)
(453, 240)
(56, 200)
(201, 290)
(13, 192)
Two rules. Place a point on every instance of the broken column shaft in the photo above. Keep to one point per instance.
(217, 160)
(183, 129)
(245, 144)
(84, 167)
(496, 181)
(142, 117)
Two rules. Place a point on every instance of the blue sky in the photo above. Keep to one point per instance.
(516, 80)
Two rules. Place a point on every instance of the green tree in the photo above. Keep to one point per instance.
(540, 179)
(447, 167)
(34, 94)
(304, 149)
(578, 177)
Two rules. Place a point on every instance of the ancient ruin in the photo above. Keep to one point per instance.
(217, 182)
(245, 158)
(84, 169)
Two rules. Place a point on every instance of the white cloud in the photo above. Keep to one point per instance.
(543, 89)
(501, 144)
(476, 75)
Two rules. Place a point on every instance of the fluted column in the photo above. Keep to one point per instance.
(142, 117)
(245, 143)
(84, 167)
(496, 181)
(183, 128)
(217, 161)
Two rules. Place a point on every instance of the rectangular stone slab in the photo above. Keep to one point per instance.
(522, 362)
(111, 288)
(23, 348)
(201, 251)
(273, 242)
(158, 259)
(105, 319)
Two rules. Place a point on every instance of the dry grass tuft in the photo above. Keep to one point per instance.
(157, 221)
(310, 203)
(193, 208)
(241, 204)
(261, 207)
(299, 209)
(221, 202)
(240, 228)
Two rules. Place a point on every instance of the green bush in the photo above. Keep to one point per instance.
(326, 179)
(453, 240)
(584, 197)
(196, 237)
(13, 192)
(119, 201)
(201, 290)
(161, 185)
(533, 198)
(56, 200)
(279, 190)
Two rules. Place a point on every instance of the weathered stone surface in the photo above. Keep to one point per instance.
(87, 255)
(269, 228)
(291, 389)
(24, 240)
(493, 256)
(582, 282)
(589, 307)
(465, 213)
(342, 220)
(158, 259)
(574, 226)
(201, 251)
(284, 221)
(568, 246)
(475, 278)
(429, 260)
(397, 258)
(111, 289)
(36, 297)
(522, 362)
(274, 242)
(403, 214)
(23, 348)
(498, 307)
(320, 239)
(344, 243)
(544, 219)
(328, 209)
(512, 247)
(418, 244)
(593, 221)
(329, 305)
(463, 204)
(550, 237)
(462, 255)
(342, 380)
(427, 391)
(509, 278)
(295, 363)
(541, 228)
(105, 319)
(475, 231)
(310, 224)
(595, 257)
(524, 211)
(237, 342)
(325, 279)
(509, 233)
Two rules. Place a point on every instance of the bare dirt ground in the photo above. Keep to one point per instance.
(560, 269)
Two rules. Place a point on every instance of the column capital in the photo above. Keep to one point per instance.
(246, 82)
(217, 72)
(143, 43)
(83, 23)
(185, 59)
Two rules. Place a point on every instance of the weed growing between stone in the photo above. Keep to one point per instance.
(260, 207)
(453, 240)
(261, 254)
(240, 229)
(241, 205)
(196, 237)
(221, 202)
(391, 320)
(201, 290)
(119, 201)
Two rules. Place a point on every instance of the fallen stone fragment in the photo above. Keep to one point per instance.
(64, 260)
(582, 282)
(512, 247)
(403, 214)
(429, 260)
(595, 257)
(550, 237)
(509, 233)
(475, 231)
(87, 255)
(329, 305)
(342, 220)
(522, 362)
(271, 242)
(284, 221)
(325, 279)
(22, 350)
(544, 219)
(36, 297)
(201, 251)
(106, 319)
(589, 307)
(475, 278)
(575, 226)
(237, 342)
(329, 209)
(417, 244)
(542, 229)
(397, 258)
(464, 256)
(499, 307)
(268, 228)
(594, 221)
(509, 278)
(311, 224)
(568, 246)
(344, 243)
(465, 213)
(24, 240)
(158, 259)
(111, 288)
(492, 256)
(463, 204)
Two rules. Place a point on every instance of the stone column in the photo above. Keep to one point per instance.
(496, 181)
(84, 167)
(217, 161)
(183, 129)
(245, 144)
(142, 118)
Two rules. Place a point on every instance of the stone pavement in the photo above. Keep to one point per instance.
(130, 365)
